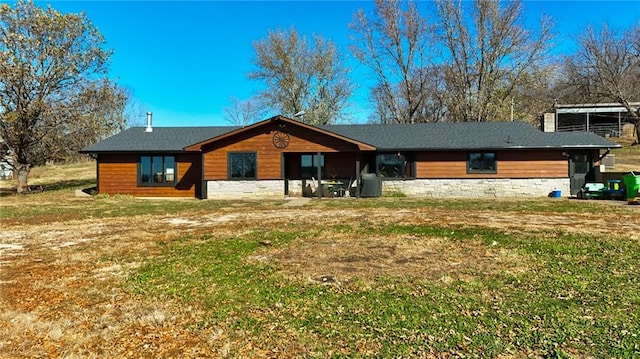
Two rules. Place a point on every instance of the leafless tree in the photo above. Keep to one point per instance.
(606, 67)
(244, 112)
(489, 53)
(533, 94)
(52, 73)
(302, 76)
(396, 44)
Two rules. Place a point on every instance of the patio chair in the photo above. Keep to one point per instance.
(314, 186)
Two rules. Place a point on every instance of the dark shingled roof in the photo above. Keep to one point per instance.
(422, 136)
(466, 136)
(162, 139)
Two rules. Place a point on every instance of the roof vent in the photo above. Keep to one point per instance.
(149, 128)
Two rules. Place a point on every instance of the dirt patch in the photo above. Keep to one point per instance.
(434, 259)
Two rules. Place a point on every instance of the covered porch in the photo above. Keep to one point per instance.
(343, 174)
(323, 174)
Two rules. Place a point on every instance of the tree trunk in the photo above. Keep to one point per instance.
(22, 171)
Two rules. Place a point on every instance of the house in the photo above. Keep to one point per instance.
(283, 157)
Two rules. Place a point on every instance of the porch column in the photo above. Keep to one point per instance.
(319, 173)
(282, 174)
(357, 176)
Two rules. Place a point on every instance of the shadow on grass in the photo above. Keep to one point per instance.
(87, 185)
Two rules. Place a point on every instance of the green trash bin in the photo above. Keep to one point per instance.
(632, 183)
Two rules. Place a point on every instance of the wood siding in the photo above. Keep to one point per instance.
(118, 173)
(260, 140)
(510, 164)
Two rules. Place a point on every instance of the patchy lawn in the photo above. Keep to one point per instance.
(390, 277)
(627, 157)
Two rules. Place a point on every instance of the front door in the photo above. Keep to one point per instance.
(579, 168)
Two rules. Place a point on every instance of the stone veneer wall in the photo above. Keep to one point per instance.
(494, 187)
(245, 189)
(489, 187)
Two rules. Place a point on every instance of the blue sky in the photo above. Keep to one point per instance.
(184, 60)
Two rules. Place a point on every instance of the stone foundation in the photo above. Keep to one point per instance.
(493, 187)
(489, 187)
(245, 189)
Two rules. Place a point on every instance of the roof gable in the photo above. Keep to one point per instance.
(363, 146)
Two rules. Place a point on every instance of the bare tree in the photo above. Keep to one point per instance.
(52, 72)
(244, 112)
(396, 44)
(606, 67)
(94, 114)
(489, 53)
(532, 95)
(300, 76)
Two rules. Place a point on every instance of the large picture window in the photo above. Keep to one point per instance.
(390, 165)
(157, 171)
(482, 162)
(394, 165)
(309, 166)
(242, 165)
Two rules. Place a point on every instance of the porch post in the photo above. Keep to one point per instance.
(319, 173)
(357, 176)
(282, 174)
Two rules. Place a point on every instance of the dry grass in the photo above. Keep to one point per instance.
(62, 282)
(54, 177)
(64, 270)
(627, 157)
(365, 259)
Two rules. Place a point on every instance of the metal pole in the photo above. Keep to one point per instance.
(511, 108)
(587, 121)
(619, 125)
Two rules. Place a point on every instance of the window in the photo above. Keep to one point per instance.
(390, 165)
(157, 171)
(482, 162)
(242, 165)
(394, 165)
(309, 166)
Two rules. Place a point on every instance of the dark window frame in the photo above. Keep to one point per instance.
(243, 154)
(483, 167)
(314, 165)
(153, 171)
(407, 167)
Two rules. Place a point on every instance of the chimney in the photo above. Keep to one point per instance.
(149, 128)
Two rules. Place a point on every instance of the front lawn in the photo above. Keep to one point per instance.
(546, 293)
